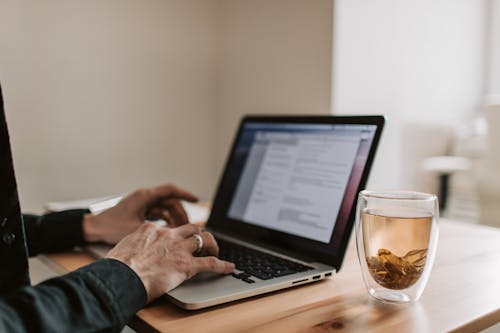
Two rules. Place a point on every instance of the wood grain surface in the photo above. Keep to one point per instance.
(462, 295)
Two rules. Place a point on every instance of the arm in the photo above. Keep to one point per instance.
(102, 296)
(63, 230)
(55, 231)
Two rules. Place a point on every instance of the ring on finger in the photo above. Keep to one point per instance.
(199, 243)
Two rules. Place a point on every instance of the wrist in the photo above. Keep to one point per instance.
(139, 271)
(90, 229)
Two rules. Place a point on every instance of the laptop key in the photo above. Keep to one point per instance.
(260, 275)
(240, 275)
(283, 273)
(256, 263)
(268, 271)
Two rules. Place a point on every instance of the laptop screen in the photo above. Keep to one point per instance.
(296, 175)
(293, 181)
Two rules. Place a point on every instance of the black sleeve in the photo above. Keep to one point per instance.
(100, 297)
(54, 232)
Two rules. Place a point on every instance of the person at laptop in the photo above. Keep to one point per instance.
(147, 261)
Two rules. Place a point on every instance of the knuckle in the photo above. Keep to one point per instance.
(165, 232)
(211, 242)
(213, 263)
(189, 228)
(182, 263)
(147, 226)
(210, 237)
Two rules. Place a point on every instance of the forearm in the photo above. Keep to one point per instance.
(54, 232)
(102, 296)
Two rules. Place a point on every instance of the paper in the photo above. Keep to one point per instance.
(58, 206)
(196, 213)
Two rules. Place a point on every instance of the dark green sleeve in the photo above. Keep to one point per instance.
(100, 297)
(54, 232)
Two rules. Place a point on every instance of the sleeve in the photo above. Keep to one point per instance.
(100, 297)
(54, 232)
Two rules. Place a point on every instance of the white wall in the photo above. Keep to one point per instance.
(106, 96)
(274, 57)
(414, 61)
(493, 56)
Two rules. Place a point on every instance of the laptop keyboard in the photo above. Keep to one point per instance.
(254, 263)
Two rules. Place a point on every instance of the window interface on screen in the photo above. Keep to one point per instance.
(295, 175)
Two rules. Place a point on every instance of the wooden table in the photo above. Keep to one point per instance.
(462, 295)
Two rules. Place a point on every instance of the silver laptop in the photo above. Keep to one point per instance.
(284, 209)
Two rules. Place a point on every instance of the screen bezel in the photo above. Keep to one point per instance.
(328, 253)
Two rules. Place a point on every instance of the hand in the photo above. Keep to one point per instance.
(115, 223)
(163, 257)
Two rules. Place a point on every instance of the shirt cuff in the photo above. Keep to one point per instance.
(69, 223)
(122, 289)
(54, 231)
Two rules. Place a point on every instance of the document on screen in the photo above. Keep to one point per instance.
(300, 181)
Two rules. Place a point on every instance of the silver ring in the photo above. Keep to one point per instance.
(199, 243)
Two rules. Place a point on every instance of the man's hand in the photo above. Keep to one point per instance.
(163, 257)
(115, 223)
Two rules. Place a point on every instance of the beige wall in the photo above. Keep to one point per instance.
(274, 57)
(106, 96)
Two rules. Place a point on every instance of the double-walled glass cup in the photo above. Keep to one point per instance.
(396, 238)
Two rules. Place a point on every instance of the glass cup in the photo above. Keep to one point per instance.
(396, 238)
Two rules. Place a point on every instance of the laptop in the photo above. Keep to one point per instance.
(285, 204)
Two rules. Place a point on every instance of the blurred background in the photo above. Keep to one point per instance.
(106, 96)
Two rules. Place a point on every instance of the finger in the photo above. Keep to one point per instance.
(159, 213)
(179, 215)
(212, 264)
(209, 244)
(166, 215)
(148, 231)
(148, 228)
(187, 230)
(173, 191)
(154, 213)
